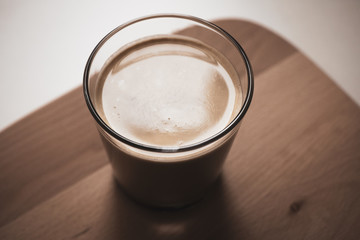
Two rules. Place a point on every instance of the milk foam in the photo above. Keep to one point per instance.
(168, 92)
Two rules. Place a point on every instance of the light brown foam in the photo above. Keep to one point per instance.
(168, 91)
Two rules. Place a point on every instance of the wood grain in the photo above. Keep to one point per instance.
(293, 172)
(45, 153)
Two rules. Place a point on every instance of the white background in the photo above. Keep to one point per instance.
(44, 45)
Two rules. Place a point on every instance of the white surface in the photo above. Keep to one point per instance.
(44, 45)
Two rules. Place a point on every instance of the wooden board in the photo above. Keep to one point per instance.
(293, 172)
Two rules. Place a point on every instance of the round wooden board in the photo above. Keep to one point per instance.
(293, 171)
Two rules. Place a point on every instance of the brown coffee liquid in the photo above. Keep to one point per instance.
(168, 91)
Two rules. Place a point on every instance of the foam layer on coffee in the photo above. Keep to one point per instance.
(168, 91)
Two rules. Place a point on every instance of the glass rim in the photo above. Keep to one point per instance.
(171, 149)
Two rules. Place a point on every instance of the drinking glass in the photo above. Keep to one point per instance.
(168, 176)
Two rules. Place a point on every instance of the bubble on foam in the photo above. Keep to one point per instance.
(121, 83)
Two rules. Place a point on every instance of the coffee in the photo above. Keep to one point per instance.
(168, 91)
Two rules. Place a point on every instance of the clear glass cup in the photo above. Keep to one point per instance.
(168, 176)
